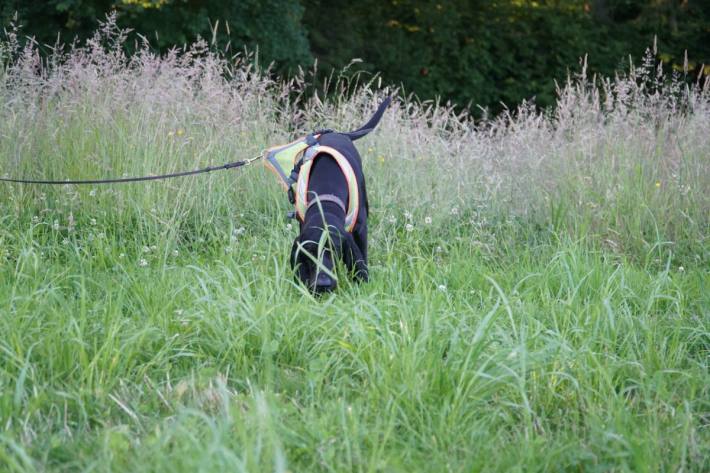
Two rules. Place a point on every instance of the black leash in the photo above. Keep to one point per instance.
(353, 135)
(235, 164)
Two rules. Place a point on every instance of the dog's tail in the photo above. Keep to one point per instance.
(372, 123)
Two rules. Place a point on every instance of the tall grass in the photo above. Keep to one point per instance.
(539, 279)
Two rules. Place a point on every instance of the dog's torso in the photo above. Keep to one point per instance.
(327, 178)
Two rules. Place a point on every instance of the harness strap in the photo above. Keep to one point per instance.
(327, 198)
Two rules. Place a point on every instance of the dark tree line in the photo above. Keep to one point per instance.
(468, 51)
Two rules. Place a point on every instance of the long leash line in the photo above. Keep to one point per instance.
(353, 135)
(235, 164)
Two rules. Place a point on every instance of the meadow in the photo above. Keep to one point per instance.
(539, 280)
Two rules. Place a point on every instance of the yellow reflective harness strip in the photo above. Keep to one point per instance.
(349, 173)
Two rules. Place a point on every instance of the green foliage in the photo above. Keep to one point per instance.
(273, 26)
(538, 297)
(467, 51)
(490, 52)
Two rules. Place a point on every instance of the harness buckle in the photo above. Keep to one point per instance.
(291, 196)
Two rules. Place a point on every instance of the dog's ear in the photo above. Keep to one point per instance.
(299, 262)
(353, 258)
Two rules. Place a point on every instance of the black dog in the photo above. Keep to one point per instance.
(328, 197)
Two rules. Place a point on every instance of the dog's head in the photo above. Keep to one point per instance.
(322, 242)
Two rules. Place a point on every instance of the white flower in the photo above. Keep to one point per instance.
(407, 215)
(681, 269)
(92, 221)
(439, 249)
(427, 220)
(289, 227)
(92, 193)
(65, 241)
(409, 227)
(153, 248)
(392, 219)
(239, 231)
(143, 263)
(146, 249)
(55, 225)
(122, 255)
(227, 249)
(35, 219)
(454, 211)
(442, 288)
(175, 253)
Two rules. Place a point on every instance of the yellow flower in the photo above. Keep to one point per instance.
(381, 159)
(658, 183)
(180, 132)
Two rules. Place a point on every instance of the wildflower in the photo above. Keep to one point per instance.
(65, 241)
(427, 220)
(170, 133)
(175, 253)
(454, 211)
(239, 231)
(55, 225)
(35, 219)
(146, 249)
(407, 215)
(442, 288)
(180, 132)
(227, 249)
(143, 263)
(409, 227)
(392, 219)
(92, 193)
(658, 184)
(681, 269)
(122, 255)
(439, 249)
(289, 227)
(153, 248)
(92, 221)
(381, 159)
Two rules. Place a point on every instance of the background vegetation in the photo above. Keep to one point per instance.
(539, 281)
(468, 51)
